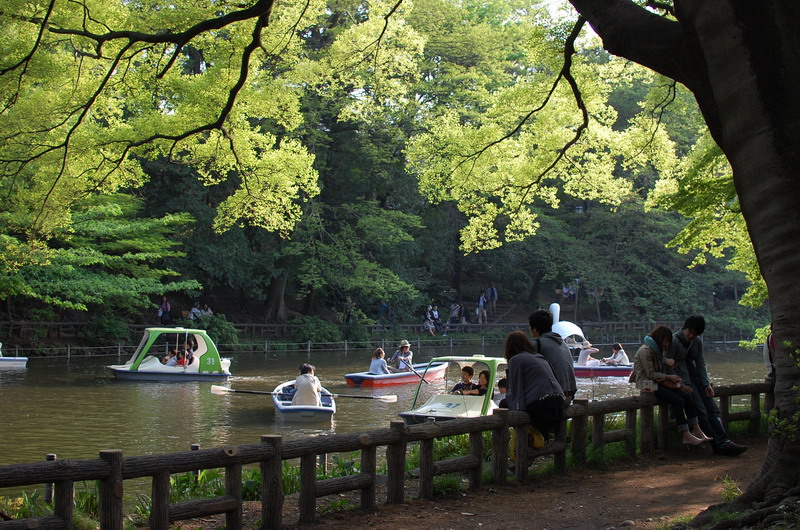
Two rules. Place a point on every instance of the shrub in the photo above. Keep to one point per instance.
(315, 329)
(105, 328)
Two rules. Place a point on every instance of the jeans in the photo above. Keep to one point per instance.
(680, 403)
(708, 414)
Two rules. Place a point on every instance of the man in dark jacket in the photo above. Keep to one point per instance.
(690, 365)
(552, 347)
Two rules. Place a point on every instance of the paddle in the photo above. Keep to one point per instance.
(216, 389)
(415, 372)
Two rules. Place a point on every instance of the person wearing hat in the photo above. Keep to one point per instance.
(585, 358)
(402, 357)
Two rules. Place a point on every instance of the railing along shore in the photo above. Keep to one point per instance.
(495, 334)
(111, 469)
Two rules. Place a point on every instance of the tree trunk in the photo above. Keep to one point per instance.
(536, 286)
(742, 62)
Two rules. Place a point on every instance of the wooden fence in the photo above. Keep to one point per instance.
(112, 469)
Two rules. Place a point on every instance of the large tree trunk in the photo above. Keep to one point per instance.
(741, 59)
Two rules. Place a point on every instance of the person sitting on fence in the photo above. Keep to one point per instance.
(403, 356)
(502, 388)
(307, 387)
(483, 385)
(427, 321)
(618, 356)
(585, 358)
(171, 358)
(649, 374)
(194, 312)
(532, 385)
(466, 385)
(378, 365)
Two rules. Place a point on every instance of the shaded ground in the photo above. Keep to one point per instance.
(647, 492)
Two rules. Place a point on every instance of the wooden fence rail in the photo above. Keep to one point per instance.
(112, 469)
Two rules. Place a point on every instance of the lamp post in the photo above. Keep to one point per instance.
(575, 309)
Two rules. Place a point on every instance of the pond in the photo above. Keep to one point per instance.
(74, 407)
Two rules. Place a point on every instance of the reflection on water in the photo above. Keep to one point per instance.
(74, 408)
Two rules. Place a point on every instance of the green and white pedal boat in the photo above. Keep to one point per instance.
(145, 363)
(447, 406)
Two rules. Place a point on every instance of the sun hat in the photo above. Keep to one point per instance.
(405, 343)
(586, 344)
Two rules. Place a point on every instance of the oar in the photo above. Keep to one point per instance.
(216, 389)
(415, 372)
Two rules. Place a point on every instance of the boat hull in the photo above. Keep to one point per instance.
(13, 363)
(444, 407)
(603, 371)
(285, 411)
(142, 375)
(151, 369)
(364, 379)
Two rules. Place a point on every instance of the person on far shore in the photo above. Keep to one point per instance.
(165, 311)
(206, 311)
(378, 365)
(307, 387)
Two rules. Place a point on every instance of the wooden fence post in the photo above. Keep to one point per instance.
(724, 410)
(598, 431)
(662, 432)
(159, 503)
(755, 407)
(272, 484)
(630, 426)
(579, 427)
(476, 449)
(48, 488)
(396, 466)
(64, 501)
(500, 448)
(646, 426)
(368, 465)
(560, 458)
(196, 472)
(521, 451)
(426, 468)
(233, 487)
(307, 503)
(111, 490)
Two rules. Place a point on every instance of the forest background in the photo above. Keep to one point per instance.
(408, 156)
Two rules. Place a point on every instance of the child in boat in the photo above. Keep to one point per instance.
(171, 359)
(378, 364)
(483, 385)
(502, 387)
(466, 383)
(307, 387)
(181, 359)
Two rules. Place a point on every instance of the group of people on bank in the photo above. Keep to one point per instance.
(165, 314)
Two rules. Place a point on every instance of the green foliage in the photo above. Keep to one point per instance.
(87, 500)
(107, 328)
(730, 489)
(315, 329)
(219, 328)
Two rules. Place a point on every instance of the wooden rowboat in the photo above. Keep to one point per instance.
(285, 411)
(435, 372)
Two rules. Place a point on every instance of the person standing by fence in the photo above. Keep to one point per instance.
(491, 297)
(552, 347)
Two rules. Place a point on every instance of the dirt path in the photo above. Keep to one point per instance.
(647, 492)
